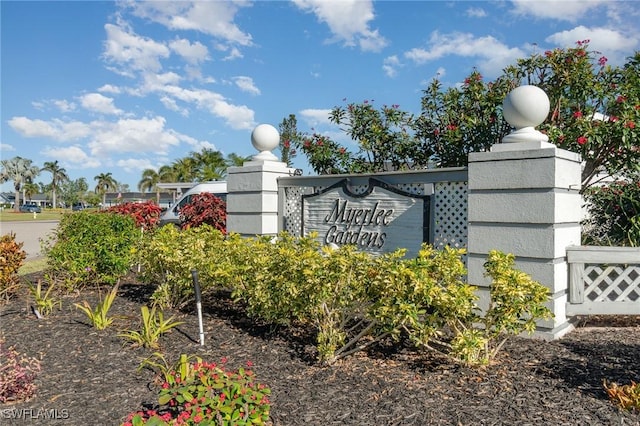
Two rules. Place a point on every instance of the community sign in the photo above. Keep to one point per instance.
(380, 220)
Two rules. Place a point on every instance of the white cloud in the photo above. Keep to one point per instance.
(135, 164)
(614, 44)
(193, 53)
(109, 88)
(215, 18)
(565, 10)
(55, 129)
(132, 52)
(236, 116)
(315, 117)
(6, 147)
(246, 84)
(73, 155)
(64, 105)
(476, 12)
(99, 103)
(390, 66)
(348, 21)
(492, 55)
(144, 135)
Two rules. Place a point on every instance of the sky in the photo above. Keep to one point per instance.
(119, 87)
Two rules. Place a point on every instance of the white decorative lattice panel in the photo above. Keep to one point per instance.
(450, 215)
(293, 209)
(613, 283)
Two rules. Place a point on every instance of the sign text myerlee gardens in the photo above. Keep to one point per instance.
(379, 220)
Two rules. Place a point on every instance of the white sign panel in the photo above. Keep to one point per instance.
(380, 220)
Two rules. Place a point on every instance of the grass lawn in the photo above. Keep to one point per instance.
(10, 215)
(31, 266)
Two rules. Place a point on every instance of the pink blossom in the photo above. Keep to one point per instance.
(582, 140)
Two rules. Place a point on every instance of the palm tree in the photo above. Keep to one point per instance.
(19, 170)
(235, 160)
(149, 182)
(184, 169)
(106, 183)
(58, 176)
(29, 189)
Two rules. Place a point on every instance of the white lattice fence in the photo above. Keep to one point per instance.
(604, 280)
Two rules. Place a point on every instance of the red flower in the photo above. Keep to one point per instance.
(630, 124)
(613, 119)
(602, 61)
(286, 144)
(452, 127)
(249, 364)
(582, 140)
(577, 114)
(620, 99)
(198, 418)
(165, 385)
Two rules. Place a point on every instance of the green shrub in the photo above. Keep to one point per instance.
(614, 214)
(169, 255)
(91, 248)
(11, 258)
(352, 299)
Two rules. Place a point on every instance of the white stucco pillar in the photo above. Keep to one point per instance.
(252, 199)
(524, 199)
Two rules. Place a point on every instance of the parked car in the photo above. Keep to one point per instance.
(78, 207)
(30, 208)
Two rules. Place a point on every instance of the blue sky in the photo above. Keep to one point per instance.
(124, 86)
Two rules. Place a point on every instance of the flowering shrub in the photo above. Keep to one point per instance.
(17, 375)
(204, 208)
(90, 248)
(11, 258)
(146, 215)
(207, 393)
(595, 111)
(614, 214)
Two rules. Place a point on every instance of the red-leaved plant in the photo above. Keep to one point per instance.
(17, 375)
(204, 208)
(146, 215)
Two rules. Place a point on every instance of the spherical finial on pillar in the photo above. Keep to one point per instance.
(525, 107)
(265, 138)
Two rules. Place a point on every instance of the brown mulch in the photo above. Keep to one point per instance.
(91, 377)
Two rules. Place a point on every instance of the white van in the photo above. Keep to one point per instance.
(172, 215)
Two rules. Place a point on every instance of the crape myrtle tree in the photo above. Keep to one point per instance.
(595, 109)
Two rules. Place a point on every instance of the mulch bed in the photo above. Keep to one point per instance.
(91, 377)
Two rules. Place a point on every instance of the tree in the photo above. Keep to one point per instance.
(58, 177)
(74, 191)
(289, 138)
(19, 170)
(184, 169)
(105, 183)
(29, 189)
(235, 160)
(595, 111)
(149, 182)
